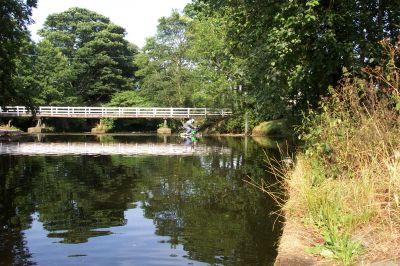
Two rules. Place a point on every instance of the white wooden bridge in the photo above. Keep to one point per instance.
(113, 112)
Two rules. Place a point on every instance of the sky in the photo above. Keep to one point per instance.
(138, 17)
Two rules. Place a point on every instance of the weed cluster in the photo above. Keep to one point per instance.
(105, 125)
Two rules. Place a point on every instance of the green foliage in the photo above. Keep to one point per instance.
(291, 51)
(24, 81)
(335, 223)
(54, 77)
(186, 63)
(100, 59)
(164, 70)
(216, 70)
(271, 59)
(8, 128)
(131, 98)
(14, 18)
(106, 124)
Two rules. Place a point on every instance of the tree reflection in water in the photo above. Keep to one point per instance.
(199, 202)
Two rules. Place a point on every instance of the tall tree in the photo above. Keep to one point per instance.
(164, 68)
(14, 18)
(216, 70)
(100, 58)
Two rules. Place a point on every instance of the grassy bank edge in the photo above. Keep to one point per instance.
(342, 203)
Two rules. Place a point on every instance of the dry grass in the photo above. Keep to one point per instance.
(5, 127)
(345, 187)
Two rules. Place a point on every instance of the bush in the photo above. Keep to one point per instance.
(105, 125)
(272, 128)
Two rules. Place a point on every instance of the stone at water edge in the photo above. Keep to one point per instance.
(39, 130)
(164, 131)
(98, 131)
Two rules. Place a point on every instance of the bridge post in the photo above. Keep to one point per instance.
(246, 124)
(39, 128)
(164, 130)
(39, 122)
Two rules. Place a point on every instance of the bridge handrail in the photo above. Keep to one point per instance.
(145, 112)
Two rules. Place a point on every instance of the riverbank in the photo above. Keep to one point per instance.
(343, 194)
(344, 221)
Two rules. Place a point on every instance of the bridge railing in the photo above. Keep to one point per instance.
(114, 112)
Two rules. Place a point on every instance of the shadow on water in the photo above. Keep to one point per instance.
(170, 210)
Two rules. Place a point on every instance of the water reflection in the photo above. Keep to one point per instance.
(143, 209)
(90, 148)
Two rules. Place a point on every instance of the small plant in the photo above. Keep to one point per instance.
(105, 125)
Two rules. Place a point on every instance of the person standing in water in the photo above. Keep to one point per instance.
(188, 126)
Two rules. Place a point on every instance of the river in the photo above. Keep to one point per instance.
(135, 200)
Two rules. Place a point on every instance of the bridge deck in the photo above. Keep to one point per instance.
(113, 112)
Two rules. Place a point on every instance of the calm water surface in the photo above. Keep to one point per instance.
(166, 202)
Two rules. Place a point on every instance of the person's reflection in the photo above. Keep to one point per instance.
(190, 141)
(39, 137)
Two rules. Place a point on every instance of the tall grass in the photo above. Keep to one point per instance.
(345, 187)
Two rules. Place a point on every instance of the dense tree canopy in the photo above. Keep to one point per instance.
(164, 68)
(14, 18)
(293, 50)
(54, 76)
(100, 59)
(186, 63)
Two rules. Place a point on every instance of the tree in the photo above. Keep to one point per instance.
(14, 18)
(101, 60)
(54, 75)
(216, 70)
(164, 68)
(293, 50)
